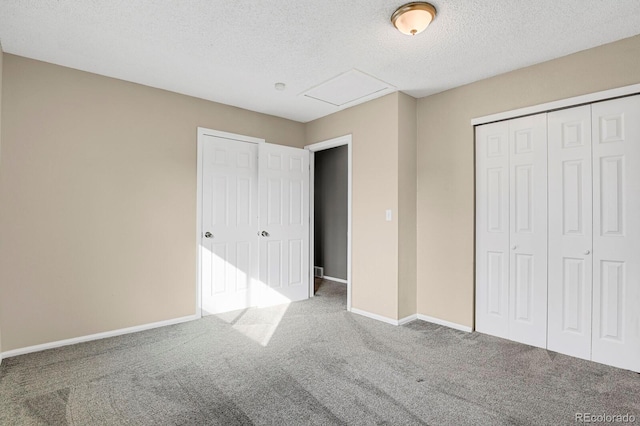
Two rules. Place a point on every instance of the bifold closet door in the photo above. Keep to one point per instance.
(570, 235)
(616, 239)
(511, 229)
(528, 224)
(492, 229)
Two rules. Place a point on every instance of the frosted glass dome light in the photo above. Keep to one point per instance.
(413, 18)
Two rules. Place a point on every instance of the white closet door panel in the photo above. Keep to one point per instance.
(528, 224)
(492, 229)
(616, 228)
(284, 224)
(570, 232)
(230, 215)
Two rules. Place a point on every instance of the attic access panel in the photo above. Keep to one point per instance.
(349, 88)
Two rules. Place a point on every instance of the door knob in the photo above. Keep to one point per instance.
(514, 247)
(587, 252)
(264, 234)
(208, 234)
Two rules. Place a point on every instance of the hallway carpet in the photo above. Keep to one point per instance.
(309, 362)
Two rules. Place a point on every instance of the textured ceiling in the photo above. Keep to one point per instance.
(235, 51)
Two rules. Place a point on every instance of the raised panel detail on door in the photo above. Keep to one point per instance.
(244, 261)
(572, 195)
(219, 268)
(496, 221)
(274, 161)
(573, 294)
(497, 283)
(295, 262)
(220, 200)
(495, 146)
(572, 135)
(570, 232)
(220, 156)
(244, 160)
(524, 288)
(274, 264)
(524, 198)
(296, 203)
(616, 263)
(612, 195)
(492, 229)
(296, 164)
(274, 202)
(612, 300)
(243, 201)
(528, 230)
(523, 141)
(611, 128)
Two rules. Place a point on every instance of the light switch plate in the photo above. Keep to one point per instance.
(388, 215)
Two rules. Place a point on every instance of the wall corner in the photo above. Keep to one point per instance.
(407, 208)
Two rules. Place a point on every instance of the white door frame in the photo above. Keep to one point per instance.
(202, 132)
(320, 146)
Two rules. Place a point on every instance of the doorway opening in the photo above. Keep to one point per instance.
(330, 213)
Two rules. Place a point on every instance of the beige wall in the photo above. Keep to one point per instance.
(98, 200)
(97, 191)
(406, 205)
(374, 259)
(446, 161)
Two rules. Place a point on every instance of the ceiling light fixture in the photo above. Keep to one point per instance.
(413, 18)
(280, 86)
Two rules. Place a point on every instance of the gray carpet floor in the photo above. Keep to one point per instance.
(309, 362)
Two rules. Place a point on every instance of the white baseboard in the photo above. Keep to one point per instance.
(445, 323)
(374, 316)
(377, 317)
(97, 336)
(408, 319)
(338, 280)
